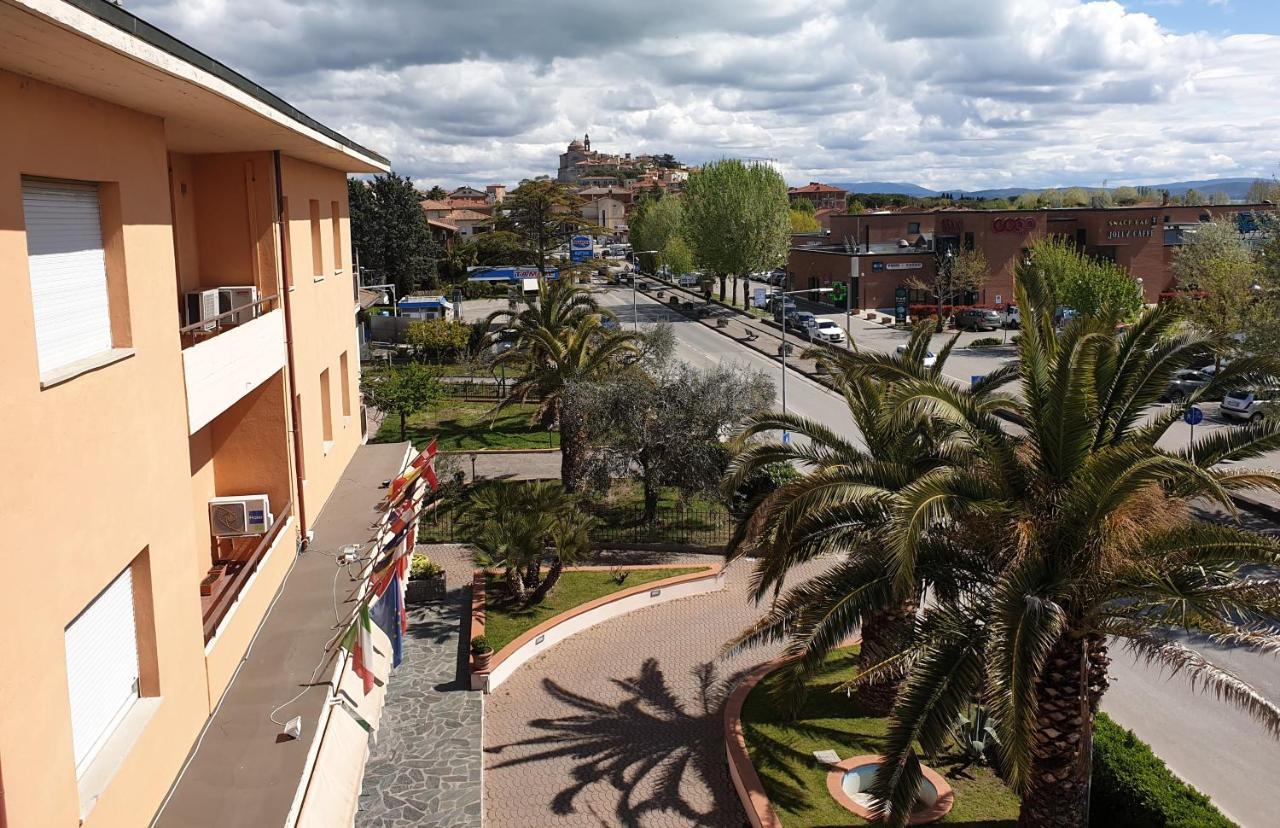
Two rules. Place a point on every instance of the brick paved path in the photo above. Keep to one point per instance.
(425, 768)
(620, 725)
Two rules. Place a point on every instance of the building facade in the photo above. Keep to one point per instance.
(887, 251)
(822, 196)
(181, 392)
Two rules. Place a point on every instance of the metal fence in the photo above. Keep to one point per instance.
(616, 527)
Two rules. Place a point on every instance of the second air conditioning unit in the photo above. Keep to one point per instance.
(234, 298)
(202, 306)
(231, 517)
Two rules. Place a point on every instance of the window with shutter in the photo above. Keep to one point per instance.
(102, 667)
(68, 271)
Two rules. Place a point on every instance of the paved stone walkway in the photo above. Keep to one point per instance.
(620, 725)
(425, 768)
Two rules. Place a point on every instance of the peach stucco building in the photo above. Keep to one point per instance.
(137, 178)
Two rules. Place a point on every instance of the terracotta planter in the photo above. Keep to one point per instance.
(480, 661)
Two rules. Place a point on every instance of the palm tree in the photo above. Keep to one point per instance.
(560, 305)
(842, 504)
(552, 359)
(1098, 544)
(513, 524)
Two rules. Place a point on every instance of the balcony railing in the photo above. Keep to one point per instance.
(209, 328)
(228, 576)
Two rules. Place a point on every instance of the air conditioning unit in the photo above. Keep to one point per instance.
(231, 298)
(230, 517)
(202, 306)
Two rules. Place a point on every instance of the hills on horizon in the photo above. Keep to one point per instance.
(1233, 188)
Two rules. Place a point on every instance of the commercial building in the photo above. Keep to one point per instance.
(884, 251)
(179, 401)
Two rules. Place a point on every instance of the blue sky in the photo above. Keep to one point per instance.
(1213, 16)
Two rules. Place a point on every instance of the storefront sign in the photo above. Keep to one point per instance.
(950, 225)
(1014, 225)
(877, 267)
(580, 248)
(904, 265)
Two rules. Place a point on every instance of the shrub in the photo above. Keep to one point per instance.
(480, 645)
(1133, 787)
(421, 567)
(984, 342)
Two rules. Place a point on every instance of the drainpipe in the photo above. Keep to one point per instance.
(290, 371)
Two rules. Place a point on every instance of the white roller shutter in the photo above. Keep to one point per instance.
(68, 271)
(102, 667)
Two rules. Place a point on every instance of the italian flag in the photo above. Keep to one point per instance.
(360, 642)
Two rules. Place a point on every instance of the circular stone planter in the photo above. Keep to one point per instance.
(849, 780)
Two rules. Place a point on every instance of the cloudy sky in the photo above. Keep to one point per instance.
(943, 93)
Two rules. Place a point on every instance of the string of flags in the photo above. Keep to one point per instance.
(383, 602)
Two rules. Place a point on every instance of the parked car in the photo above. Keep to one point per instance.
(1185, 383)
(930, 358)
(1012, 317)
(803, 323)
(977, 319)
(1249, 405)
(828, 331)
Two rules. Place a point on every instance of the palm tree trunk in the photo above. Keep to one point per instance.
(883, 634)
(549, 582)
(515, 583)
(572, 441)
(1069, 690)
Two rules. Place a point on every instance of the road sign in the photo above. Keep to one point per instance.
(974, 379)
(580, 248)
(786, 436)
(1193, 416)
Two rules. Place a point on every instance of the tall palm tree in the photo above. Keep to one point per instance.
(841, 504)
(553, 358)
(1099, 545)
(560, 305)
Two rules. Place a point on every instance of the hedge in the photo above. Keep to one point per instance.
(1133, 787)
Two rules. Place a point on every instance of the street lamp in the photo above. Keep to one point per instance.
(783, 348)
(635, 314)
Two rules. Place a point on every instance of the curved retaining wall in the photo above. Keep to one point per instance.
(746, 781)
(554, 630)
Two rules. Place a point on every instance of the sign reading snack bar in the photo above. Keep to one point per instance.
(904, 265)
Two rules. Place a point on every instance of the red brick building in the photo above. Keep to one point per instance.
(884, 251)
(823, 196)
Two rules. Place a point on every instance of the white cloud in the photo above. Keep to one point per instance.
(942, 93)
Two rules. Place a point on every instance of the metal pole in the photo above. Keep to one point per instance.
(784, 353)
(848, 309)
(635, 314)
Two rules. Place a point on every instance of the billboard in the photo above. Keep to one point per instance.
(580, 248)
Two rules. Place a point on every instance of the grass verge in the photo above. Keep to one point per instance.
(464, 426)
(782, 751)
(505, 621)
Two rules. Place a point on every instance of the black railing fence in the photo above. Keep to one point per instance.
(616, 527)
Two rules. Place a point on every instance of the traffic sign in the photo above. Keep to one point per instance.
(786, 436)
(1193, 416)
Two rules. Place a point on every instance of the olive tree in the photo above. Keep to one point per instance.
(1216, 273)
(664, 423)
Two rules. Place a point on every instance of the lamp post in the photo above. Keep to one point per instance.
(635, 313)
(783, 349)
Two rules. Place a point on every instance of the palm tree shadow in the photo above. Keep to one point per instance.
(651, 748)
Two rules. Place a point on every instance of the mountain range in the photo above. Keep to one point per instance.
(1233, 188)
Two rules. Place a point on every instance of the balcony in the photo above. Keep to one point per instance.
(227, 356)
(235, 562)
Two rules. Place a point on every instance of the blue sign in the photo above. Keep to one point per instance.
(974, 379)
(876, 267)
(580, 248)
(1193, 416)
(786, 436)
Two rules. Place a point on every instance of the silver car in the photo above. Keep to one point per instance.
(1248, 405)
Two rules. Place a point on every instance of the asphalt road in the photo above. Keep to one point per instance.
(1214, 747)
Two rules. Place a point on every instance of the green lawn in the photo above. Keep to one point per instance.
(782, 752)
(504, 622)
(461, 426)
